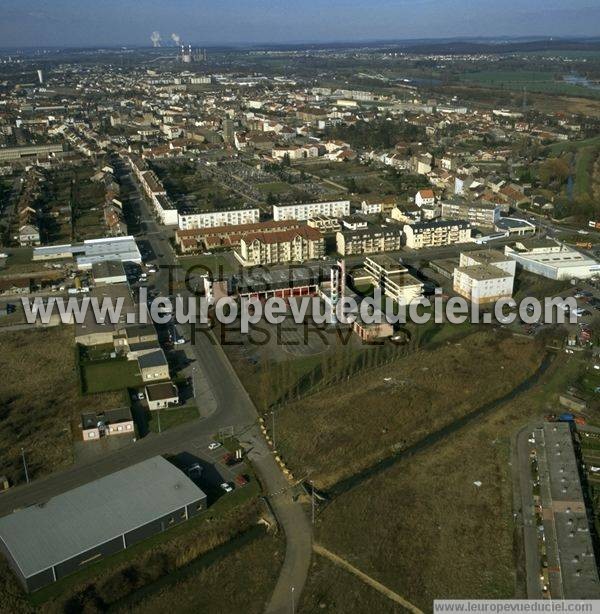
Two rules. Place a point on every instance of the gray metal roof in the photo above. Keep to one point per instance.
(41, 536)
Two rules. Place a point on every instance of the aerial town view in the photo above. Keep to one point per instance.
(299, 306)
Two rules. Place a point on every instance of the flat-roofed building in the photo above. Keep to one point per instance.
(109, 272)
(220, 217)
(552, 260)
(370, 240)
(437, 233)
(44, 543)
(493, 257)
(393, 279)
(160, 396)
(483, 283)
(306, 211)
(571, 570)
(479, 213)
(91, 331)
(89, 252)
(153, 365)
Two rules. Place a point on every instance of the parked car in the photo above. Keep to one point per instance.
(226, 487)
(214, 445)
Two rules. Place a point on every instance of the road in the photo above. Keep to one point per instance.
(223, 403)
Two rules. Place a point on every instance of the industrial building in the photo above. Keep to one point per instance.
(89, 252)
(552, 260)
(306, 211)
(565, 541)
(46, 542)
(283, 282)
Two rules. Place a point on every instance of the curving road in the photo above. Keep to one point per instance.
(223, 403)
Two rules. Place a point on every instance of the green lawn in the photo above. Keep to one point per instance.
(275, 187)
(217, 262)
(585, 159)
(108, 375)
(534, 81)
(171, 417)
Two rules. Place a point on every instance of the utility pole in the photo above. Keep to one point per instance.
(158, 414)
(312, 492)
(273, 428)
(293, 606)
(25, 465)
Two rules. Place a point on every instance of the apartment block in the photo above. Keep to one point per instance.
(436, 233)
(393, 279)
(282, 247)
(222, 217)
(305, 211)
(479, 213)
(371, 240)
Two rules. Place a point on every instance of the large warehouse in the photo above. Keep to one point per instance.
(46, 542)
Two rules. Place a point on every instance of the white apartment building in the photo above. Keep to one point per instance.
(484, 276)
(491, 257)
(393, 279)
(305, 211)
(437, 233)
(222, 217)
(477, 212)
(483, 283)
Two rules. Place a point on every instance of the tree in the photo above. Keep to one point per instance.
(553, 170)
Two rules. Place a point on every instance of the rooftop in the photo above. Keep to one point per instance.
(43, 535)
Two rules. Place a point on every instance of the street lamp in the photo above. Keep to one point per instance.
(293, 606)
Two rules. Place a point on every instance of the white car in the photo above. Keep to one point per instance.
(226, 487)
(179, 341)
(141, 396)
(214, 445)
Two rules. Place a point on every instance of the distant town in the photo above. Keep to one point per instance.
(238, 464)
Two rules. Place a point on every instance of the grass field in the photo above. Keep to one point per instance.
(159, 559)
(275, 187)
(110, 375)
(216, 263)
(40, 400)
(423, 528)
(351, 426)
(544, 82)
(332, 589)
(171, 417)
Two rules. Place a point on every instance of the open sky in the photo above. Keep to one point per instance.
(128, 22)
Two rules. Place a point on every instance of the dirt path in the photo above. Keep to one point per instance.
(366, 579)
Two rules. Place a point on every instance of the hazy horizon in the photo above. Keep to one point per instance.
(77, 23)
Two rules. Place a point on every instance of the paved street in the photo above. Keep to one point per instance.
(223, 403)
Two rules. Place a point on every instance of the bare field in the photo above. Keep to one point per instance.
(109, 583)
(332, 589)
(424, 529)
(40, 399)
(240, 581)
(338, 432)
